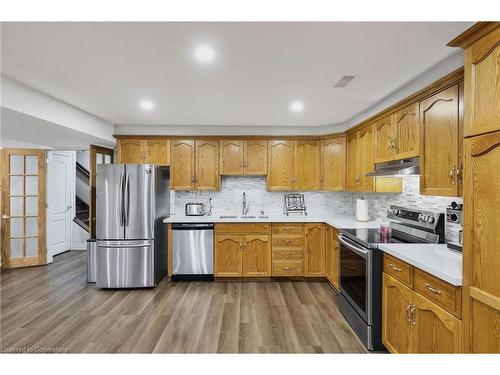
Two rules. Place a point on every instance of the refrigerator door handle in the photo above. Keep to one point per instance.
(127, 199)
(122, 219)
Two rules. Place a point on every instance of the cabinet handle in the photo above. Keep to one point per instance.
(394, 268)
(412, 314)
(452, 175)
(408, 312)
(459, 173)
(288, 253)
(287, 268)
(433, 290)
(241, 165)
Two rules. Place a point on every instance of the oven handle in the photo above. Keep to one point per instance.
(358, 250)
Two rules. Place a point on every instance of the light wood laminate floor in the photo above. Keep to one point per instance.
(52, 308)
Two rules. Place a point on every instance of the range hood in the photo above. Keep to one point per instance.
(403, 167)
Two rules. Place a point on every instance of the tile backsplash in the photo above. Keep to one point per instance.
(228, 200)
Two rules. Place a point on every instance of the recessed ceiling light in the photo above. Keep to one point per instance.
(297, 106)
(147, 105)
(204, 54)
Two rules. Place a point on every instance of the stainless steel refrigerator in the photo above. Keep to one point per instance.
(132, 201)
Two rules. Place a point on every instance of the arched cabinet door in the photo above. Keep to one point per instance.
(206, 175)
(257, 256)
(280, 165)
(481, 310)
(228, 255)
(182, 171)
(255, 163)
(231, 157)
(385, 140)
(482, 85)
(333, 164)
(407, 132)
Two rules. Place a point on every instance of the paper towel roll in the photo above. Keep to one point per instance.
(362, 210)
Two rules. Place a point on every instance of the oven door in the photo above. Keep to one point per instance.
(356, 276)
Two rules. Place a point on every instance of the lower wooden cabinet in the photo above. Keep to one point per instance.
(242, 254)
(332, 256)
(413, 324)
(396, 323)
(314, 250)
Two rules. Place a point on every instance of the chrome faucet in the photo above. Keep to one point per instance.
(244, 205)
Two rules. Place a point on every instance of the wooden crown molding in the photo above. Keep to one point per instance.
(473, 33)
(230, 137)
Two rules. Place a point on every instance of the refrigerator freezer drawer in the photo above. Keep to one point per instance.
(125, 264)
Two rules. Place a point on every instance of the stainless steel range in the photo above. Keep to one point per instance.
(361, 266)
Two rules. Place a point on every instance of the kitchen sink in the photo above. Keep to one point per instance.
(244, 217)
(228, 217)
(248, 217)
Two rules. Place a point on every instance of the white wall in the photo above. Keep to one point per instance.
(19, 97)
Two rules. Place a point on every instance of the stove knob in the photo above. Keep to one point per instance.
(430, 219)
(422, 217)
(395, 212)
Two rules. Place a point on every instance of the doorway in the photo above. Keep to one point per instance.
(60, 201)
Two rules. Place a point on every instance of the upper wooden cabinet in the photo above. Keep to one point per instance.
(406, 127)
(307, 165)
(314, 254)
(333, 164)
(195, 165)
(385, 139)
(293, 165)
(243, 157)
(440, 166)
(144, 151)
(280, 170)
(397, 135)
(482, 72)
(481, 246)
(360, 159)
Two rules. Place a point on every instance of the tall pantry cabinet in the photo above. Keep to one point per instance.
(481, 248)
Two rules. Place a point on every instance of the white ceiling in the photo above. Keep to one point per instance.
(108, 68)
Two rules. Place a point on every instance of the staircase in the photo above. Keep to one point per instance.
(82, 197)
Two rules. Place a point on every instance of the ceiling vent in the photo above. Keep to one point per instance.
(344, 81)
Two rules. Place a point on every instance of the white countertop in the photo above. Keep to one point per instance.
(437, 260)
(337, 221)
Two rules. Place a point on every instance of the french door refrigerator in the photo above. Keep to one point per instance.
(132, 201)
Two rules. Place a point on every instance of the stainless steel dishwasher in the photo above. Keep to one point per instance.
(192, 251)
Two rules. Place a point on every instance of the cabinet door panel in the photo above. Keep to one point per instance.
(228, 255)
(333, 164)
(157, 151)
(231, 157)
(439, 121)
(482, 84)
(384, 140)
(396, 326)
(130, 151)
(314, 249)
(328, 254)
(280, 174)
(255, 157)
(434, 330)
(353, 162)
(307, 165)
(182, 173)
(366, 157)
(407, 132)
(207, 165)
(257, 256)
(481, 288)
(335, 261)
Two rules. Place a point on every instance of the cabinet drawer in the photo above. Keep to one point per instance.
(288, 228)
(288, 268)
(398, 269)
(243, 228)
(285, 254)
(446, 296)
(288, 240)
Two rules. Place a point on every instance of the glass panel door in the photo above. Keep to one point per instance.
(23, 208)
(353, 278)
